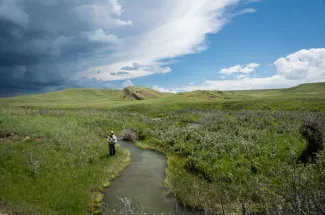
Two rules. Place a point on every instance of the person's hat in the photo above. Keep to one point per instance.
(112, 132)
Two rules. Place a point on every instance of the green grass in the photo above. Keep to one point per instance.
(242, 149)
(305, 96)
(54, 163)
(232, 157)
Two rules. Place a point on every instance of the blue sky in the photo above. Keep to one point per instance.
(277, 29)
(167, 45)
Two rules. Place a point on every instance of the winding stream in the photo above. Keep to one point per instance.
(141, 182)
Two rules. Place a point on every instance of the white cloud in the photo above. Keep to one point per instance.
(247, 10)
(100, 15)
(116, 7)
(272, 82)
(127, 83)
(108, 71)
(100, 36)
(161, 29)
(305, 66)
(163, 90)
(241, 76)
(239, 69)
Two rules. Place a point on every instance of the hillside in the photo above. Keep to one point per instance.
(83, 97)
(314, 90)
(78, 96)
(203, 95)
(107, 98)
(140, 93)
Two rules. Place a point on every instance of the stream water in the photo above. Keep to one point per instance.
(140, 186)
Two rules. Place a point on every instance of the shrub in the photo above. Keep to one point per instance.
(311, 131)
(193, 165)
(128, 134)
(141, 135)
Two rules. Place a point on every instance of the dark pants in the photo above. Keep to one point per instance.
(111, 149)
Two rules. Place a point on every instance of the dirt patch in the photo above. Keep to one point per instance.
(25, 106)
(4, 211)
(40, 139)
(6, 135)
(12, 137)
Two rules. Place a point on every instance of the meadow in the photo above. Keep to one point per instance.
(54, 162)
(228, 152)
(230, 162)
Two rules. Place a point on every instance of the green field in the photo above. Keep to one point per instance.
(226, 150)
(54, 162)
(303, 97)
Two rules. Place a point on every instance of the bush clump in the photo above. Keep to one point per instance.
(311, 131)
(128, 134)
(140, 135)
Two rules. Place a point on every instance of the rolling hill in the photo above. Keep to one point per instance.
(316, 90)
(140, 93)
(108, 98)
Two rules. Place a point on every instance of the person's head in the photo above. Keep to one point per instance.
(112, 132)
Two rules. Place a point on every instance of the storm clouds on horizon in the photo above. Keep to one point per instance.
(43, 43)
(47, 45)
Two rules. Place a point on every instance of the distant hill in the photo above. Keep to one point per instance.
(108, 98)
(141, 93)
(201, 95)
(314, 90)
(84, 97)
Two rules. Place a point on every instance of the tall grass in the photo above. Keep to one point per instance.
(229, 162)
(238, 161)
(62, 164)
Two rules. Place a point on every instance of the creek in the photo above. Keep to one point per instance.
(140, 187)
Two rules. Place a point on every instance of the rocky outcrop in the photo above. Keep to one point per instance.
(131, 95)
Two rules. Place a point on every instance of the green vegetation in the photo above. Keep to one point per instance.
(308, 97)
(316, 90)
(85, 98)
(228, 152)
(222, 160)
(55, 162)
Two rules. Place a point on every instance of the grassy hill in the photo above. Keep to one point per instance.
(140, 93)
(315, 90)
(202, 95)
(68, 96)
(80, 97)
(141, 97)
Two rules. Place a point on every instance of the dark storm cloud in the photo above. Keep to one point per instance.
(44, 42)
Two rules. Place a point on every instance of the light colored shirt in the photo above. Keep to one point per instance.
(111, 139)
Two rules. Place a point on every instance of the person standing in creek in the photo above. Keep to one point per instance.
(112, 140)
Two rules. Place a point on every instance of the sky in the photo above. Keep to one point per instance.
(167, 45)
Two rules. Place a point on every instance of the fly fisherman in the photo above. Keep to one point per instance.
(112, 140)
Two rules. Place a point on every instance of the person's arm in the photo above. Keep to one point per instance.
(114, 139)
